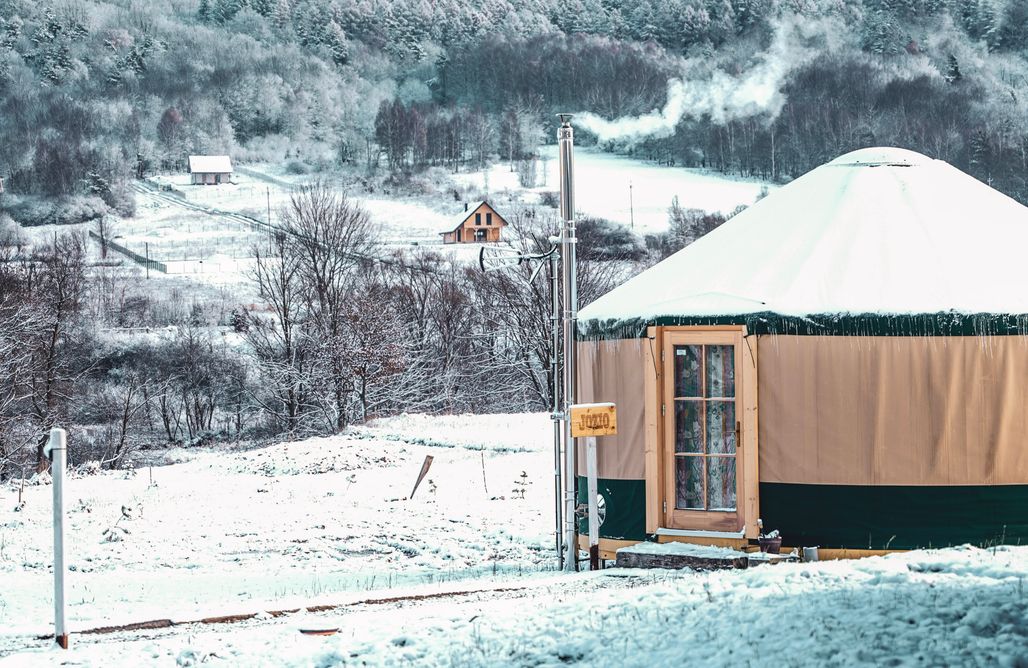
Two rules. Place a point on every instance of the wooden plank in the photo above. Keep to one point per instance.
(608, 546)
(737, 543)
(667, 458)
(652, 430)
(825, 554)
(702, 328)
(750, 441)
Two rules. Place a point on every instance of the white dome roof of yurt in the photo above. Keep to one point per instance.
(882, 231)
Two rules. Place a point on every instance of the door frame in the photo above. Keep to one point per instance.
(661, 516)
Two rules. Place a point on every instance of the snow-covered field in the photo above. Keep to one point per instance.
(459, 576)
(231, 531)
(254, 189)
(208, 234)
(624, 189)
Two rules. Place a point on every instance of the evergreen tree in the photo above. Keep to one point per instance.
(881, 34)
(337, 43)
(1012, 34)
(952, 74)
(282, 15)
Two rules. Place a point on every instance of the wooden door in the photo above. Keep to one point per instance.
(703, 416)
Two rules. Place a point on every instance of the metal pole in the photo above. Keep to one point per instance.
(565, 141)
(631, 205)
(56, 450)
(555, 390)
(146, 244)
(594, 513)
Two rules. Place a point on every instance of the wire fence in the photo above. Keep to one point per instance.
(132, 255)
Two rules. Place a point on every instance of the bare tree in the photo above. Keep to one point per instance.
(277, 341)
(323, 254)
(105, 229)
(335, 242)
(18, 322)
(56, 292)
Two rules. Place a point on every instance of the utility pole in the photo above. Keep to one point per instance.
(565, 143)
(146, 245)
(631, 205)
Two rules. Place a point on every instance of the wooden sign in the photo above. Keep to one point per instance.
(594, 420)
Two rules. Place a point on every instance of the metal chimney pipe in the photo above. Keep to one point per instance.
(565, 143)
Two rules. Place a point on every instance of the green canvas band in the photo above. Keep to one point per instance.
(834, 324)
(852, 516)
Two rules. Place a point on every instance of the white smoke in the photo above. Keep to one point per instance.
(723, 96)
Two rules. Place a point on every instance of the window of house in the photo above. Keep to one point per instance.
(478, 219)
(488, 219)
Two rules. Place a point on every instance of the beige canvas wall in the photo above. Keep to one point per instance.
(893, 410)
(613, 371)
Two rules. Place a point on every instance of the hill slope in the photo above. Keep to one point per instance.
(92, 93)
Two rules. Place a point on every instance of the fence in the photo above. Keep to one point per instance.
(132, 255)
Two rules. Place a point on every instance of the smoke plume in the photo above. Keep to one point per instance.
(723, 96)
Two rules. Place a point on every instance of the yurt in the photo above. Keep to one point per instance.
(845, 361)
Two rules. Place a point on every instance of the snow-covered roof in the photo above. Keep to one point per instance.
(210, 164)
(459, 219)
(879, 230)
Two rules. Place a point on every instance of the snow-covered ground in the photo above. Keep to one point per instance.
(460, 575)
(208, 234)
(230, 531)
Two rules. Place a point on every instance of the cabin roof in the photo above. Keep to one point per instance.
(460, 218)
(210, 164)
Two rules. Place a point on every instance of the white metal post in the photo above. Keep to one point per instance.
(594, 513)
(56, 449)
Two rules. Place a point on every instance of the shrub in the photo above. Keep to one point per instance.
(33, 211)
(550, 198)
(601, 239)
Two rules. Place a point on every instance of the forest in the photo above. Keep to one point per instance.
(93, 94)
(96, 94)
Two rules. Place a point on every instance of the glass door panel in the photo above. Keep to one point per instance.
(705, 431)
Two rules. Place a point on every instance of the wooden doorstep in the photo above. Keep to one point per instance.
(610, 546)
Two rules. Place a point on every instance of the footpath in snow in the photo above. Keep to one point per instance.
(959, 606)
